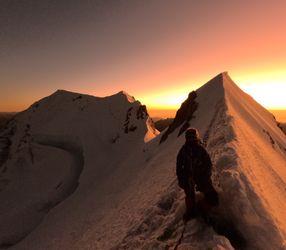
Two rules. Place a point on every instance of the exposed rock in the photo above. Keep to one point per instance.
(282, 126)
(77, 98)
(141, 112)
(162, 124)
(183, 116)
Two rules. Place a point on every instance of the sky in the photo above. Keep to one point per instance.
(157, 51)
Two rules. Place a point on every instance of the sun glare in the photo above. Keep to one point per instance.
(271, 96)
(267, 88)
(167, 100)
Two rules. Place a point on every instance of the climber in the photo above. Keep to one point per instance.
(194, 169)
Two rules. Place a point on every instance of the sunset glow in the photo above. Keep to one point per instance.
(267, 88)
(156, 54)
(142, 124)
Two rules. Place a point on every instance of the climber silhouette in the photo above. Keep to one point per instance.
(194, 169)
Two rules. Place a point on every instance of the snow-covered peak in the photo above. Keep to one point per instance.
(120, 112)
(122, 96)
(61, 93)
(200, 102)
(122, 192)
(248, 151)
(55, 139)
(63, 96)
(218, 83)
(128, 97)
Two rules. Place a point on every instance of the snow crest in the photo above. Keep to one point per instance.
(112, 176)
(45, 148)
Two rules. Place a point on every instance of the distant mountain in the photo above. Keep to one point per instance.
(83, 172)
(162, 124)
(280, 115)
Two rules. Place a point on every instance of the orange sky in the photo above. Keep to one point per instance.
(266, 87)
(157, 51)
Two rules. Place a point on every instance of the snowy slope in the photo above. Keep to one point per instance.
(248, 152)
(47, 147)
(249, 155)
(261, 149)
(82, 172)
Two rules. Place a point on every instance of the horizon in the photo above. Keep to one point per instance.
(88, 156)
(175, 99)
(165, 112)
(182, 97)
(157, 51)
(280, 114)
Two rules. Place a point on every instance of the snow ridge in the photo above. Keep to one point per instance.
(115, 178)
(54, 139)
(242, 216)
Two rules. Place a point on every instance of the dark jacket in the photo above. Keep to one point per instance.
(193, 162)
